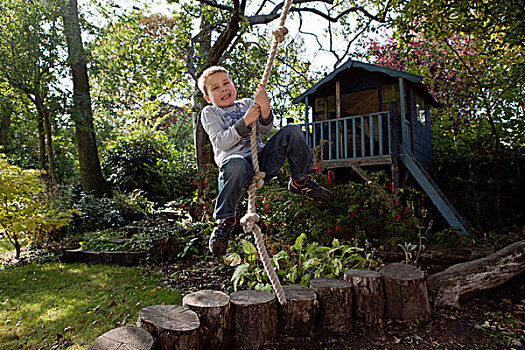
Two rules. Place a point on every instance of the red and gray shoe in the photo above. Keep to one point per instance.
(221, 235)
(311, 189)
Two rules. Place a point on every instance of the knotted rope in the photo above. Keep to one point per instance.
(249, 221)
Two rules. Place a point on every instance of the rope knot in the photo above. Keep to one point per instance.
(280, 34)
(258, 179)
(249, 221)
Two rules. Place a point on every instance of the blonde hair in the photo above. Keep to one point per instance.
(201, 82)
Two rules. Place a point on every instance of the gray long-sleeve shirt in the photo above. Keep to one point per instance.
(228, 132)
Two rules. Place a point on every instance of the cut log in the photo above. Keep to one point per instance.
(297, 317)
(369, 295)
(488, 272)
(335, 303)
(406, 294)
(124, 338)
(254, 318)
(172, 326)
(213, 308)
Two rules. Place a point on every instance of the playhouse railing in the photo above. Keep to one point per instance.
(350, 138)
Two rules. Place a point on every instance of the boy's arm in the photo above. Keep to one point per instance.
(221, 135)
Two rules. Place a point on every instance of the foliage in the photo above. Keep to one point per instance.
(481, 103)
(77, 302)
(93, 213)
(136, 62)
(146, 159)
(26, 209)
(298, 263)
(133, 206)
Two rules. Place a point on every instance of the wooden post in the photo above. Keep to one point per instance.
(297, 317)
(369, 295)
(173, 327)
(254, 318)
(394, 146)
(335, 303)
(406, 292)
(124, 338)
(213, 308)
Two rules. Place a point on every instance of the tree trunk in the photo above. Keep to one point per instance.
(82, 114)
(4, 128)
(44, 115)
(41, 144)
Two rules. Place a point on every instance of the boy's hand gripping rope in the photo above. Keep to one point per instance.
(249, 221)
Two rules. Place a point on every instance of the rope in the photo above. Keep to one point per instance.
(249, 221)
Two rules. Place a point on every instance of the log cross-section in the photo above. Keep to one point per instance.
(173, 327)
(213, 308)
(124, 338)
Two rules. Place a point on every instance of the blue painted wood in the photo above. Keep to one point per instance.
(371, 126)
(429, 186)
(380, 123)
(327, 134)
(354, 142)
(362, 125)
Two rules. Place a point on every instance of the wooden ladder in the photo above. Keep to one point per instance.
(429, 186)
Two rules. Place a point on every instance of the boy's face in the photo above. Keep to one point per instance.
(220, 90)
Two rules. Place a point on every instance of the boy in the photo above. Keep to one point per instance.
(228, 122)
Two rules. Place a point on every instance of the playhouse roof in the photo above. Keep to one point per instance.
(411, 78)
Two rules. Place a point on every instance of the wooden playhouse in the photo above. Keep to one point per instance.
(363, 114)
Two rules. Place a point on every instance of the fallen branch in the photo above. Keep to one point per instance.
(488, 272)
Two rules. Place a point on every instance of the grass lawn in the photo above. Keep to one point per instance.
(56, 305)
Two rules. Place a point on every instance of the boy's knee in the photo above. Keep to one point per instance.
(294, 131)
(235, 167)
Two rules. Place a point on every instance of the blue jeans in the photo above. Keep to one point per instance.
(236, 171)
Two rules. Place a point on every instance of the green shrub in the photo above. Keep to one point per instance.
(146, 159)
(133, 206)
(93, 213)
(297, 264)
(27, 210)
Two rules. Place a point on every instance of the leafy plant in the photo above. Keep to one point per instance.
(133, 206)
(299, 263)
(26, 209)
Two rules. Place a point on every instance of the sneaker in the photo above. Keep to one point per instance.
(221, 235)
(311, 189)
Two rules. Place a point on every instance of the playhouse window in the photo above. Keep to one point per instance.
(421, 111)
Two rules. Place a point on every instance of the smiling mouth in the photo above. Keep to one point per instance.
(226, 97)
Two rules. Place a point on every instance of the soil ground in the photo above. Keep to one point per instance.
(491, 319)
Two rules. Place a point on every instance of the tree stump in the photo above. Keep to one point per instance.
(254, 318)
(172, 326)
(123, 338)
(405, 292)
(335, 303)
(369, 295)
(297, 316)
(213, 308)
